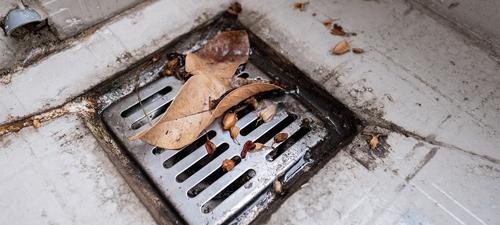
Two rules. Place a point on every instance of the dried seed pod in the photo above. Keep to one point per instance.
(341, 47)
(338, 30)
(210, 146)
(314, 14)
(299, 6)
(357, 50)
(173, 64)
(227, 165)
(328, 24)
(267, 114)
(258, 147)
(166, 72)
(277, 186)
(306, 121)
(252, 101)
(279, 138)
(36, 123)
(155, 58)
(248, 145)
(234, 132)
(229, 120)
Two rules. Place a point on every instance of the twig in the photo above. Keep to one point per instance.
(139, 98)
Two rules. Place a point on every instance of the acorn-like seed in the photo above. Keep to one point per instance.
(234, 132)
(277, 186)
(229, 120)
(36, 123)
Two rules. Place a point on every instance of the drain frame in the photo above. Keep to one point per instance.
(266, 59)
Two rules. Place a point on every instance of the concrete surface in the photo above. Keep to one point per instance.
(59, 174)
(416, 74)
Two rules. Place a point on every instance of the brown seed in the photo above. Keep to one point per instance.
(36, 123)
(227, 165)
(173, 64)
(277, 186)
(305, 120)
(357, 50)
(229, 120)
(341, 47)
(328, 24)
(167, 72)
(279, 138)
(258, 147)
(299, 6)
(155, 58)
(234, 133)
(248, 145)
(210, 146)
(314, 14)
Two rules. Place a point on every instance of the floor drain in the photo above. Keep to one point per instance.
(192, 182)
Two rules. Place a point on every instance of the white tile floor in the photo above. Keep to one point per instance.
(443, 89)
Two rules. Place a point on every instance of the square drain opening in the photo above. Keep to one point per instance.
(191, 182)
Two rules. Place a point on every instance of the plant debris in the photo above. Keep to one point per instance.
(314, 14)
(338, 30)
(234, 130)
(258, 147)
(36, 123)
(341, 47)
(248, 145)
(279, 138)
(357, 50)
(267, 114)
(229, 120)
(212, 68)
(300, 6)
(328, 24)
(453, 5)
(234, 9)
(374, 141)
(277, 186)
(252, 101)
(227, 165)
(210, 146)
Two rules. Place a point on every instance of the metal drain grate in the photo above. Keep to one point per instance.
(194, 182)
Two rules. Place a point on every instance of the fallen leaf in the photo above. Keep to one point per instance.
(341, 47)
(279, 138)
(189, 113)
(299, 6)
(328, 24)
(221, 56)
(357, 50)
(227, 165)
(374, 141)
(248, 145)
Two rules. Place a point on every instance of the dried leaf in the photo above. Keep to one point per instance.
(338, 30)
(299, 6)
(221, 56)
(210, 146)
(374, 141)
(189, 113)
(357, 50)
(279, 138)
(328, 24)
(341, 47)
(227, 165)
(248, 145)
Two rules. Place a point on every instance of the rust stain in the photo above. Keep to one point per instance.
(84, 107)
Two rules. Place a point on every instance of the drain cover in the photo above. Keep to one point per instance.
(193, 183)
(192, 180)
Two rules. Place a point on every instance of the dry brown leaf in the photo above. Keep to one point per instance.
(374, 141)
(180, 126)
(221, 56)
(210, 146)
(341, 47)
(328, 24)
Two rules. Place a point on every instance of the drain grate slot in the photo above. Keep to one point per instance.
(146, 102)
(152, 115)
(201, 163)
(228, 191)
(287, 143)
(187, 150)
(214, 176)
